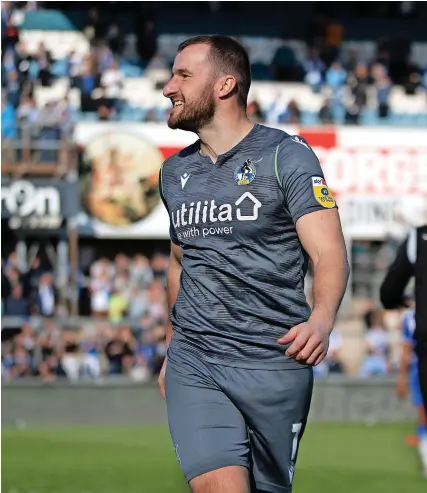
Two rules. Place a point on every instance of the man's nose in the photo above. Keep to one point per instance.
(170, 88)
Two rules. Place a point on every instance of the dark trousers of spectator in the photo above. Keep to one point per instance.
(8, 151)
(383, 110)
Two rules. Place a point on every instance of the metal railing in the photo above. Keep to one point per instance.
(38, 150)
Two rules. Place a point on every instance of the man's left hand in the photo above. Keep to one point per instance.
(309, 343)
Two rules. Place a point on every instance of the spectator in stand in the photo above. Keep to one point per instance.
(138, 304)
(27, 111)
(141, 272)
(70, 358)
(100, 289)
(112, 82)
(10, 35)
(352, 60)
(9, 131)
(28, 339)
(119, 351)
(48, 344)
(7, 360)
(382, 84)
(292, 113)
(31, 278)
(21, 363)
(254, 112)
(86, 82)
(49, 123)
(44, 63)
(335, 79)
(376, 361)
(332, 363)
(105, 58)
(47, 296)
(314, 68)
(325, 113)
(13, 88)
(117, 306)
(159, 266)
(284, 64)
(15, 278)
(23, 60)
(91, 350)
(413, 83)
(5, 287)
(12, 262)
(358, 83)
(383, 55)
(156, 298)
(16, 304)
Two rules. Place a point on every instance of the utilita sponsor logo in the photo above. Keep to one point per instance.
(203, 212)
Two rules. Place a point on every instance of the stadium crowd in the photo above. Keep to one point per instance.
(348, 83)
(125, 334)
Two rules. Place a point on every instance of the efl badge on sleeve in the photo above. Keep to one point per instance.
(322, 193)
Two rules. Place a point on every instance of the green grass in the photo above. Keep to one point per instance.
(338, 458)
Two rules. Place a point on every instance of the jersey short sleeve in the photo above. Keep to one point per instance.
(301, 178)
(172, 232)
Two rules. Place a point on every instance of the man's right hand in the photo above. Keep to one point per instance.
(161, 378)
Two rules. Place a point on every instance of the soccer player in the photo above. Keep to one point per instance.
(411, 261)
(409, 368)
(248, 206)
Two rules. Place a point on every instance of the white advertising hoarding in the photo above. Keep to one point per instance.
(378, 175)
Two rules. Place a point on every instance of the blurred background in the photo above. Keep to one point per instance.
(85, 237)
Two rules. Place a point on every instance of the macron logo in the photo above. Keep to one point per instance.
(184, 179)
(298, 140)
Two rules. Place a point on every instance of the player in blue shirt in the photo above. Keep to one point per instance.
(409, 368)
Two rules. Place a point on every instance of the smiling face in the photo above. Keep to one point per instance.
(191, 89)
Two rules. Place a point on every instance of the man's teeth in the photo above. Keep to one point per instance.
(178, 103)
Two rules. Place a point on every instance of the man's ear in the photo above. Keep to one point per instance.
(227, 86)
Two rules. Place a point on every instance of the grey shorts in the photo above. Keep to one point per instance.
(222, 416)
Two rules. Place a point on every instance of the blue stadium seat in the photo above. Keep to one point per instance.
(309, 118)
(130, 69)
(87, 117)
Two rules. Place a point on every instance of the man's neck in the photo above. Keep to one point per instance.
(223, 134)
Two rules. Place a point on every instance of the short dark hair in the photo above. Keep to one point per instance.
(229, 56)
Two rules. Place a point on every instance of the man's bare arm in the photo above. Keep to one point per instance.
(173, 277)
(321, 236)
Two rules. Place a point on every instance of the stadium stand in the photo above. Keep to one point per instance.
(360, 83)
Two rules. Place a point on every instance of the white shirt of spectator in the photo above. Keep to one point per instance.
(112, 81)
(378, 340)
(100, 295)
(47, 300)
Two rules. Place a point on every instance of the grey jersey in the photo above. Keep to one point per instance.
(243, 267)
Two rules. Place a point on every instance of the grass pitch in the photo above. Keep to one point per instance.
(334, 458)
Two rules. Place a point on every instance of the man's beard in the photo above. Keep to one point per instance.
(195, 115)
